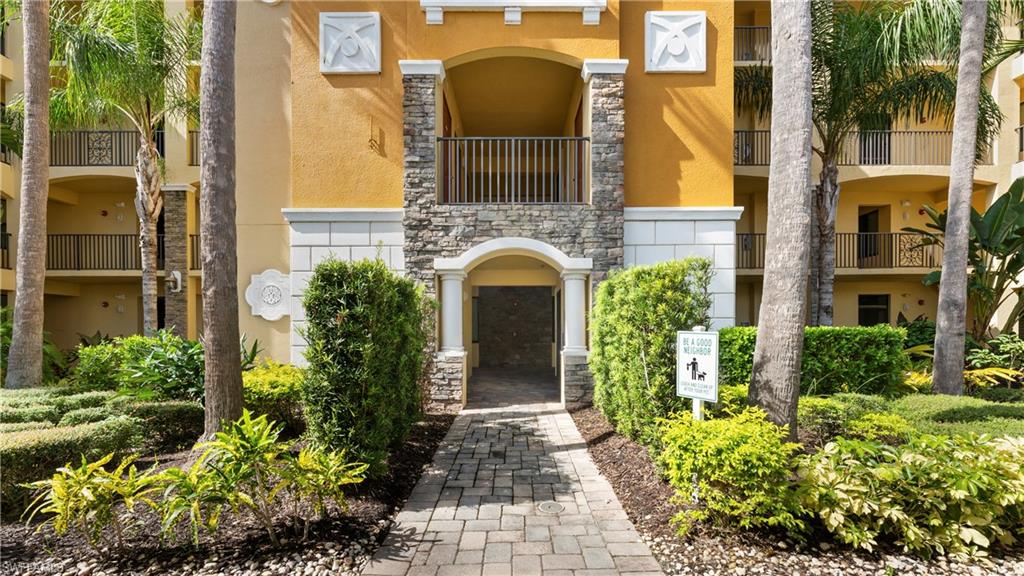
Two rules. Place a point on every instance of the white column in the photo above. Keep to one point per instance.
(575, 286)
(451, 311)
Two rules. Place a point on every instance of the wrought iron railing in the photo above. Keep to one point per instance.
(864, 148)
(752, 44)
(97, 252)
(195, 257)
(5, 251)
(97, 147)
(751, 147)
(193, 147)
(855, 250)
(513, 170)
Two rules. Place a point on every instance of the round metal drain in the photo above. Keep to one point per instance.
(550, 507)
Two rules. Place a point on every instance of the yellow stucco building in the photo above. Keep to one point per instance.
(507, 154)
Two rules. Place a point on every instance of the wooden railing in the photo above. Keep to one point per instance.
(195, 257)
(5, 251)
(513, 170)
(97, 147)
(864, 148)
(855, 250)
(97, 252)
(752, 44)
(193, 147)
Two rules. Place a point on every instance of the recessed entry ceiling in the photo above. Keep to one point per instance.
(513, 96)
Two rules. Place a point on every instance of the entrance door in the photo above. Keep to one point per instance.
(874, 243)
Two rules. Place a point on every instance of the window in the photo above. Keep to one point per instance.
(872, 309)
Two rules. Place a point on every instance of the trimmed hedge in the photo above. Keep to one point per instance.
(637, 313)
(941, 414)
(170, 425)
(19, 426)
(65, 404)
(366, 339)
(30, 413)
(85, 416)
(34, 454)
(868, 360)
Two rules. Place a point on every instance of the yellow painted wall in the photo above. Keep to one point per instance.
(67, 316)
(95, 213)
(347, 129)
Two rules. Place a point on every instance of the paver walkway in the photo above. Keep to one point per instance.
(513, 491)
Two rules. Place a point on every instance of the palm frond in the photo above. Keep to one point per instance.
(752, 88)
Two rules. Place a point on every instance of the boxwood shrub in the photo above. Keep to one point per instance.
(19, 426)
(869, 360)
(365, 350)
(170, 425)
(85, 416)
(29, 413)
(34, 454)
(637, 313)
(276, 390)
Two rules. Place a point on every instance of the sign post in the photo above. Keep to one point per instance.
(697, 372)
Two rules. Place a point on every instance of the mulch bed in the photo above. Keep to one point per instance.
(647, 499)
(339, 545)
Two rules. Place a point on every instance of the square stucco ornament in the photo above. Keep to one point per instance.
(350, 42)
(676, 41)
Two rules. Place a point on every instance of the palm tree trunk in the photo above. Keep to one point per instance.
(948, 376)
(223, 382)
(775, 383)
(149, 202)
(827, 200)
(25, 360)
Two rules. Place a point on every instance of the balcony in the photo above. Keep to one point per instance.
(97, 252)
(855, 251)
(752, 44)
(513, 170)
(863, 148)
(97, 147)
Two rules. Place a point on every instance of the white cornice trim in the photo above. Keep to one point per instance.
(688, 213)
(422, 68)
(178, 187)
(559, 260)
(593, 66)
(590, 9)
(343, 214)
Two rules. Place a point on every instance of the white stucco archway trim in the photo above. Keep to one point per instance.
(484, 251)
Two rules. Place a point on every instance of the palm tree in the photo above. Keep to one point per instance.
(126, 62)
(25, 360)
(857, 87)
(775, 383)
(223, 382)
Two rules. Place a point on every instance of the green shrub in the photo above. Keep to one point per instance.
(1000, 394)
(819, 420)
(171, 368)
(935, 494)
(32, 454)
(732, 399)
(836, 359)
(96, 398)
(637, 313)
(881, 427)
(365, 332)
(275, 390)
(941, 414)
(98, 367)
(26, 397)
(85, 416)
(1003, 351)
(19, 426)
(170, 425)
(29, 413)
(920, 331)
(742, 464)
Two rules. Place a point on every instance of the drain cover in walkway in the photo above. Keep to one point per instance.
(550, 507)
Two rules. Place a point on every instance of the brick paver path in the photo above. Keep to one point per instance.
(484, 507)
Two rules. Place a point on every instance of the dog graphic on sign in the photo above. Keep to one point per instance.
(695, 373)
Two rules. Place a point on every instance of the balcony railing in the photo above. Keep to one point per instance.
(855, 250)
(5, 251)
(97, 252)
(97, 147)
(513, 170)
(196, 258)
(752, 44)
(193, 148)
(864, 148)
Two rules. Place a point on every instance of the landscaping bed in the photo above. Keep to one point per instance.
(339, 545)
(646, 497)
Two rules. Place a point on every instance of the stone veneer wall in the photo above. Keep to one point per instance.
(176, 258)
(434, 230)
(660, 234)
(516, 326)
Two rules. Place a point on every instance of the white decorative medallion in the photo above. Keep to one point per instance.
(350, 42)
(676, 41)
(269, 294)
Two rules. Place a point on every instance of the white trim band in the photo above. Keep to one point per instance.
(513, 245)
(422, 68)
(593, 66)
(513, 9)
(343, 214)
(692, 213)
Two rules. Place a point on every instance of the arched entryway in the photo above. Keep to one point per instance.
(514, 308)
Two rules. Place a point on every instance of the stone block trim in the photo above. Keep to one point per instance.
(176, 257)
(434, 230)
(348, 235)
(655, 235)
(577, 383)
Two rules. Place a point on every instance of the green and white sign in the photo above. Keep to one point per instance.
(697, 365)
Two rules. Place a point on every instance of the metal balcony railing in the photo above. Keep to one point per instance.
(855, 250)
(195, 257)
(5, 251)
(863, 148)
(97, 252)
(193, 147)
(752, 44)
(513, 170)
(97, 147)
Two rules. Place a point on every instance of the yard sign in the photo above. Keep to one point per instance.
(697, 365)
